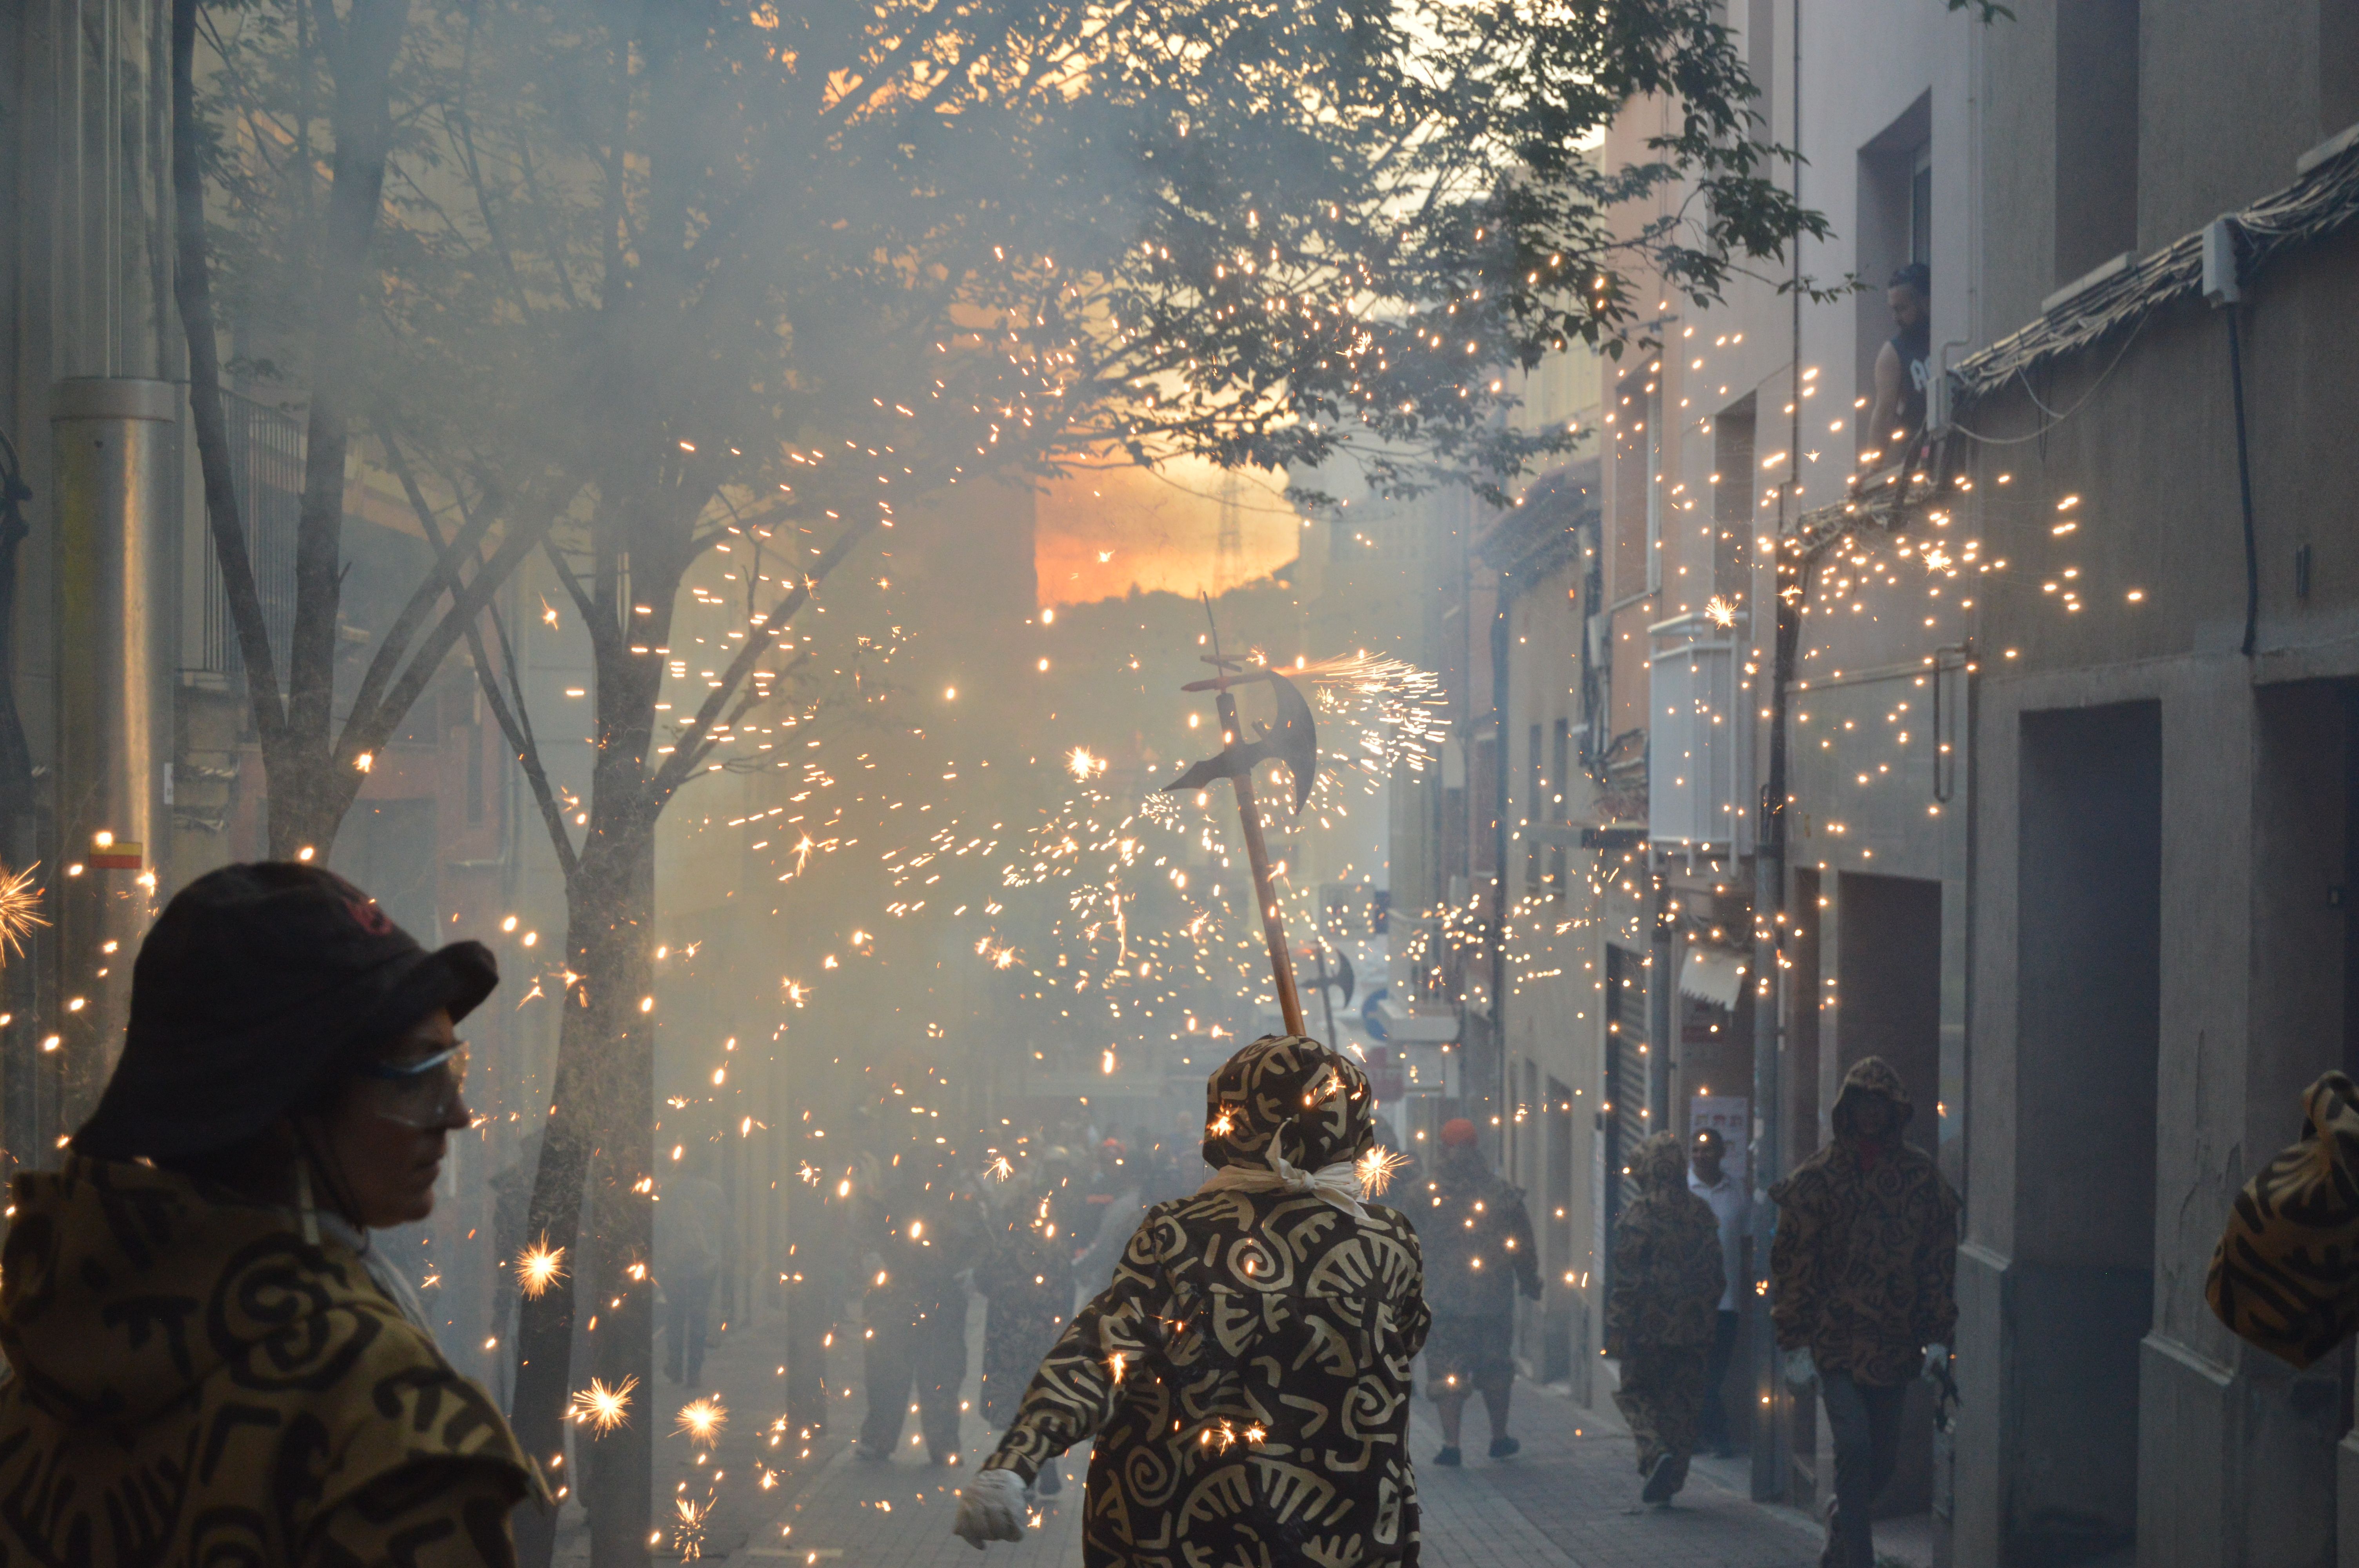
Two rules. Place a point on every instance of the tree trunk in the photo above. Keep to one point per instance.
(304, 806)
(601, 1132)
(193, 293)
(622, 1212)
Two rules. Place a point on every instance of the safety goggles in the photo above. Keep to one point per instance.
(425, 1094)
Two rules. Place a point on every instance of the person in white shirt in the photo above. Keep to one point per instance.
(1708, 1180)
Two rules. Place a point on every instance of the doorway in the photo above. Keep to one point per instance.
(2088, 1023)
(1888, 953)
(1557, 1258)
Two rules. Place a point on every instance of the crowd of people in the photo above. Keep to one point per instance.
(1233, 1325)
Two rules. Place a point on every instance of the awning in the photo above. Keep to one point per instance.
(1715, 975)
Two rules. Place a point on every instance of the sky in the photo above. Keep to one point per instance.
(1100, 534)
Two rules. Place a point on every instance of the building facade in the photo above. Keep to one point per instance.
(128, 759)
(2162, 782)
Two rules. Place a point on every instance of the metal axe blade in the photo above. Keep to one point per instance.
(1294, 743)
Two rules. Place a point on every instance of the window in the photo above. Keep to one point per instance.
(1892, 228)
(1761, 62)
(1734, 499)
(2338, 66)
(1653, 437)
(1534, 794)
(2096, 133)
(1921, 206)
(1559, 813)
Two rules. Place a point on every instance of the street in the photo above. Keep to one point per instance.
(1568, 1500)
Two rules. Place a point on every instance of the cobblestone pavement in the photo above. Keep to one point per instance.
(1568, 1500)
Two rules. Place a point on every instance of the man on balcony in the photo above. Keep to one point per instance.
(1904, 369)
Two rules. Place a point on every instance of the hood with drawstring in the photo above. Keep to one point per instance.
(1661, 1165)
(147, 1318)
(1869, 1076)
(1863, 1265)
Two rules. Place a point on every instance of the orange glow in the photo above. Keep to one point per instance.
(1098, 534)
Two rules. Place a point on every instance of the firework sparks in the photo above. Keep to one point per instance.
(20, 908)
(688, 1533)
(1378, 1166)
(540, 1266)
(1084, 765)
(602, 1408)
(1719, 611)
(1000, 1168)
(701, 1420)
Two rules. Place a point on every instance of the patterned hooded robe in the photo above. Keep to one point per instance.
(1247, 1375)
(1864, 1267)
(2286, 1274)
(1478, 1252)
(1661, 1315)
(1027, 1273)
(196, 1384)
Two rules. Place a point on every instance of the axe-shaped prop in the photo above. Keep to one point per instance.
(1294, 742)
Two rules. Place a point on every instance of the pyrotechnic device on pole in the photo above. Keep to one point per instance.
(1295, 744)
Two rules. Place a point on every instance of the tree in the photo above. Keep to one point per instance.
(753, 277)
(307, 240)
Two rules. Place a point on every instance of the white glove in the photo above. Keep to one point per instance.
(1800, 1371)
(991, 1508)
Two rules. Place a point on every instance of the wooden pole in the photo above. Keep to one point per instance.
(1327, 993)
(1273, 929)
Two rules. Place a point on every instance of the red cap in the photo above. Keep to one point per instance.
(1458, 1133)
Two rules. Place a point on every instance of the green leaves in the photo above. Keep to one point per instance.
(1267, 232)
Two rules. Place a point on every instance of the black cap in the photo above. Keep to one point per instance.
(256, 988)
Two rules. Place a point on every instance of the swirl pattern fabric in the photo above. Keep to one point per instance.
(1246, 1378)
(1666, 1264)
(1290, 1095)
(2286, 1274)
(195, 1384)
(1864, 1267)
(1028, 1280)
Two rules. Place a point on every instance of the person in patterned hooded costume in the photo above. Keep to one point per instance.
(2286, 1274)
(1027, 1275)
(1862, 1276)
(1479, 1253)
(1668, 1279)
(212, 1365)
(1246, 1374)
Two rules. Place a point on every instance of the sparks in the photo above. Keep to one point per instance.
(601, 1408)
(1082, 765)
(687, 1535)
(1719, 611)
(541, 1266)
(1378, 1166)
(701, 1420)
(20, 908)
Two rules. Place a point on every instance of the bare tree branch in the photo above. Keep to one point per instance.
(517, 723)
(681, 763)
